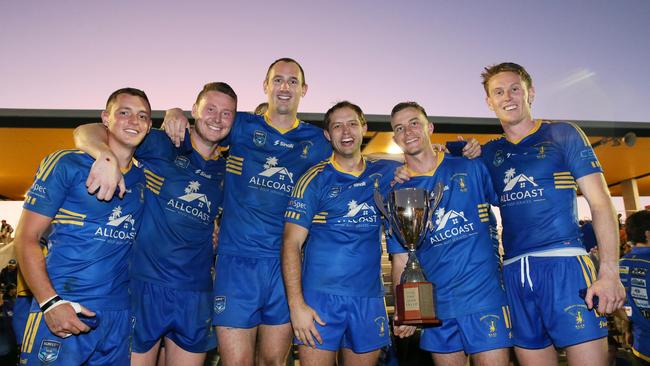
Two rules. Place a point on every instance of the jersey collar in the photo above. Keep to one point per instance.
(339, 168)
(267, 119)
(538, 124)
(440, 156)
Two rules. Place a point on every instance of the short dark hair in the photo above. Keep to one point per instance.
(130, 91)
(636, 225)
(217, 86)
(286, 59)
(340, 105)
(492, 70)
(403, 105)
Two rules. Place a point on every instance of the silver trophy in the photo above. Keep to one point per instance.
(408, 212)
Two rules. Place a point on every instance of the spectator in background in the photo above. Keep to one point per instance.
(5, 232)
(635, 269)
(9, 274)
(8, 347)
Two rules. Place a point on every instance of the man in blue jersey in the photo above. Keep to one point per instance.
(536, 168)
(635, 275)
(81, 287)
(336, 295)
(267, 155)
(171, 283)
(458, 255)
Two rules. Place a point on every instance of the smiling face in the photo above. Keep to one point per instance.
(345, 131)
(510, 98)
(128, 119)
(214, 115)
(411, 131)
(284, 88)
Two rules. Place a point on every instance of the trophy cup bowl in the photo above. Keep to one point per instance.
(408, 212)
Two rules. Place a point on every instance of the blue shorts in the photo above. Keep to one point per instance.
(544, 302)
(108, 344)
(21, 312)
(185, 317)
(249, 292)
(473, 333)
(357, 323)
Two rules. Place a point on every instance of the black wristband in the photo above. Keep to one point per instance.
(49, 304)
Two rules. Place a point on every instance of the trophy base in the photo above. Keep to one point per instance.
(414, 304)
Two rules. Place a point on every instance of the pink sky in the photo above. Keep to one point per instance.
(588, 58)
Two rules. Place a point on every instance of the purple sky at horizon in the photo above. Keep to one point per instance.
(587, 57)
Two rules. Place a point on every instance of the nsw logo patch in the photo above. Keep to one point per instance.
(49, 351)
(219, 304)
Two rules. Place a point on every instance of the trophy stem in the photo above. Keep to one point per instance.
(413, 271)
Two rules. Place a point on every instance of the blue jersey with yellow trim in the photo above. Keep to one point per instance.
(90, 242)
(459, 255)
(183, 196)
(535, 179)
(343, 249)
(634, 268)
(263, 166)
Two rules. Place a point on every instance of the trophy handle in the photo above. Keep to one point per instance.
(381, 205)
(434, 201)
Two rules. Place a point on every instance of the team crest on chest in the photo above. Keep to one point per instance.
(460, 180)
(305, 147)
(182, 162)
(498, 158)
(49, 351)
(259, 138)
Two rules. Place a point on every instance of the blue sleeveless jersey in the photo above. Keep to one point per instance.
(343, 249)
(263, 167)
(90, 243)
(535, 179)
(459, 255)
(634, 268)
(183, 196)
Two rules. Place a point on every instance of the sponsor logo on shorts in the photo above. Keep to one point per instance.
(219, 304)
(638, 282)
(639, 293)
(381, 325)
(49, 351)
(624, 269)
(639, 272)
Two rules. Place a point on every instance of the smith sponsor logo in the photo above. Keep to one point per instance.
(192, 202)
(451, 225)
(520, 187)
(273, 177)
(283, 144)
(119, 226)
